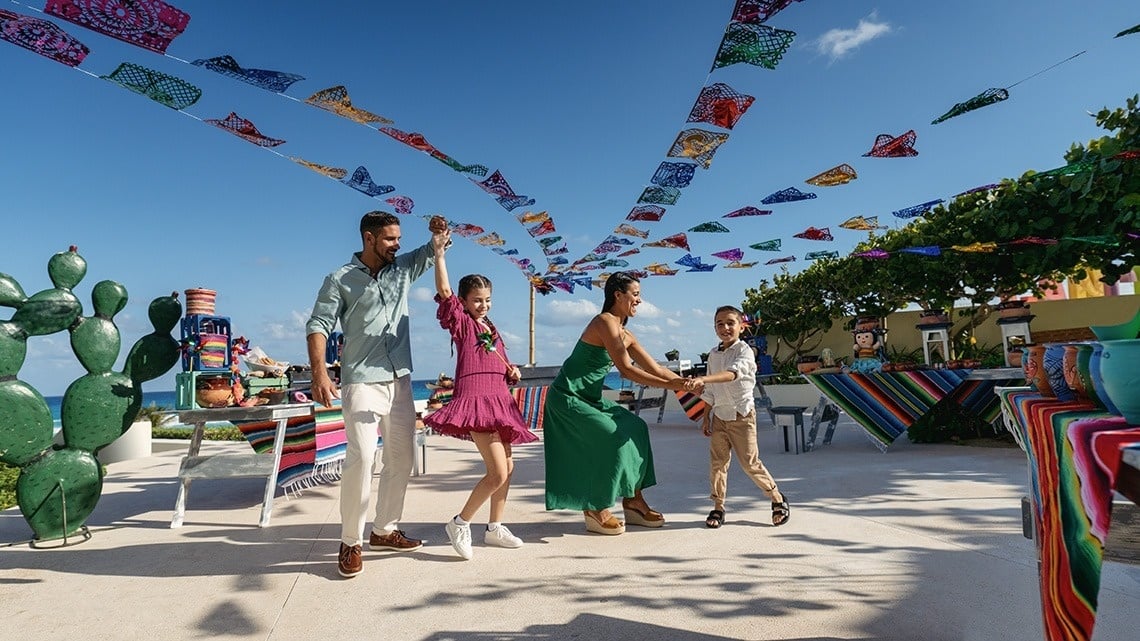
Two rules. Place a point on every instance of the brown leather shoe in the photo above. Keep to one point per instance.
(348, 562)
(393, 541)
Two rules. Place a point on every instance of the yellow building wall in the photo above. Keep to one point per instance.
(1047, 315)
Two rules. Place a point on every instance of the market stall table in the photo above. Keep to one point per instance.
(885, 404)
(1078, 454)
(234, 465)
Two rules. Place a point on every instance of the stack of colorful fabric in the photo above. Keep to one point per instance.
(1074, 451)
(314, 447)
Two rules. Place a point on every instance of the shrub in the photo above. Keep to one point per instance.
(8, 476)
(221, 433)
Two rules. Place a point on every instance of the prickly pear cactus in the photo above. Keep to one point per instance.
(59, 486)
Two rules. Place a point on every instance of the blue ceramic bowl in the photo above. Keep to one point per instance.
(1120, 374)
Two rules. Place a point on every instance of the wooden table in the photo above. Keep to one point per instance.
(234, 465)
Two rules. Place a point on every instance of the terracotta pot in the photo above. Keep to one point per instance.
(866, 322)
(214, 397)
(808, 367)
(1071, 364)
(1033, 365)
(1015, 357)
(1012, 309)
(933, 317)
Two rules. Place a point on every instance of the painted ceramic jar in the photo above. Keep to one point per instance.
(1033, 364)
(1097, 380)
(1121, 376)
(1055, 371)
(1076, 368)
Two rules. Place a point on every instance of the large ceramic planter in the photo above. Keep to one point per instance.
(1098, 381)
(1012, 309)
(1032, 363)
(134, 443)
(1077, 376)
(1121, 375)
(933, 317)
(1054, 362)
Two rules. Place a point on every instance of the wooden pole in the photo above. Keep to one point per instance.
(531, 359)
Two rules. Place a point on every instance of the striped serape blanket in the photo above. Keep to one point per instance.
(885, 404)
(1074, 451)
(694, 407)
(314, 447)
(532, 401)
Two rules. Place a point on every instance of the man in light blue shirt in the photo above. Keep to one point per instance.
(369, 297)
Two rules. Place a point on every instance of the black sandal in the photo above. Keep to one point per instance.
(715, 519)
(781, 512)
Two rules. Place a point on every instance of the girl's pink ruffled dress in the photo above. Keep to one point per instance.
(482, 401)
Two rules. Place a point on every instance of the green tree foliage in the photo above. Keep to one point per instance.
(1089, 205)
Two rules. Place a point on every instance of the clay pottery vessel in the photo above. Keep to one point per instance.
(1097, 380)
(1055, 371)
(1121, 376)
(866, 322)
(1033, 364)
(1012, 309)
(214, 397)
(1015, 357)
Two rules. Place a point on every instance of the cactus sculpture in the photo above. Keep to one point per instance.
(58, 486)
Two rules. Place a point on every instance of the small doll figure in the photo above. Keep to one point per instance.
(868, 352)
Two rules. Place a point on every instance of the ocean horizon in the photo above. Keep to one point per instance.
(166, 398)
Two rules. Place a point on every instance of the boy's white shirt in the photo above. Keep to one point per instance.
(734, 397)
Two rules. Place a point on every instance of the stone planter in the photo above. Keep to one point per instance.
(134, 443)
(1012, 309)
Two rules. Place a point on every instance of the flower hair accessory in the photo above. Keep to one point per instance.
(487, 342)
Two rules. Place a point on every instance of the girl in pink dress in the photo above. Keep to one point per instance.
(482, 409)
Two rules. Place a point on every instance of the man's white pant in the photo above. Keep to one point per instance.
(371, 409)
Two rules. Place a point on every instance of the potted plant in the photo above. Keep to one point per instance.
(704, 357)
(933, 317)
(1012, 309)
(672, 355)
(808, 363)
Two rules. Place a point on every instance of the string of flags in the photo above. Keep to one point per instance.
(154, 25)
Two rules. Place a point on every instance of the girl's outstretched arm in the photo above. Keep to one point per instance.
(442, 287)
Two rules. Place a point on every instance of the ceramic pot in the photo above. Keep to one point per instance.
(1070, 369)
(1033, 364)
(808, 366)
(933, 317)
(1012, 309)
(1015, 357)
(866, 322)
(1054, 363)
(1121, 376)
(1097, 380)
(214, 397)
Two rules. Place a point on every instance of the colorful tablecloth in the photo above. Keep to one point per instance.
(1075, 452)
(885, 404)
(314, 447)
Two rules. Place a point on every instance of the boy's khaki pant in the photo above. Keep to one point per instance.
(738, 435)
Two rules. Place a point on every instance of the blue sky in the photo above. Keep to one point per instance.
(576, 103)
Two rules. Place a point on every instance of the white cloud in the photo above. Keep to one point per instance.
(422, 294)
(291, 328)
(837, 43)
(560, 313)
(648, 310)
(672, 322)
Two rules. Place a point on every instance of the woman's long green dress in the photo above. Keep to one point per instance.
(596, 450)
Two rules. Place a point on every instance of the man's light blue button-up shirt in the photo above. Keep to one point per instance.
(373, 315)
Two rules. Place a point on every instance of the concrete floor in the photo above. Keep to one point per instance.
(921, 542)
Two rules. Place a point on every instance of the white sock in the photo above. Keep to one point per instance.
(491, 527)
(458, 520)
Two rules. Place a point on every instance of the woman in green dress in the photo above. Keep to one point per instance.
(596, 450)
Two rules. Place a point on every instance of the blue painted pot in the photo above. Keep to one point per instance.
(1053, 362)
(1097, 371)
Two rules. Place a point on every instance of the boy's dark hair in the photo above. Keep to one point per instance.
(730, 308)
(374, 220)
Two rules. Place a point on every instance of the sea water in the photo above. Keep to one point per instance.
(420, 392)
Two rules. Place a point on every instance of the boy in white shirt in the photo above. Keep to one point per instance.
(730, 422)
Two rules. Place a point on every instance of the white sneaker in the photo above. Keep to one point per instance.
(460, 536)
(502, 537)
